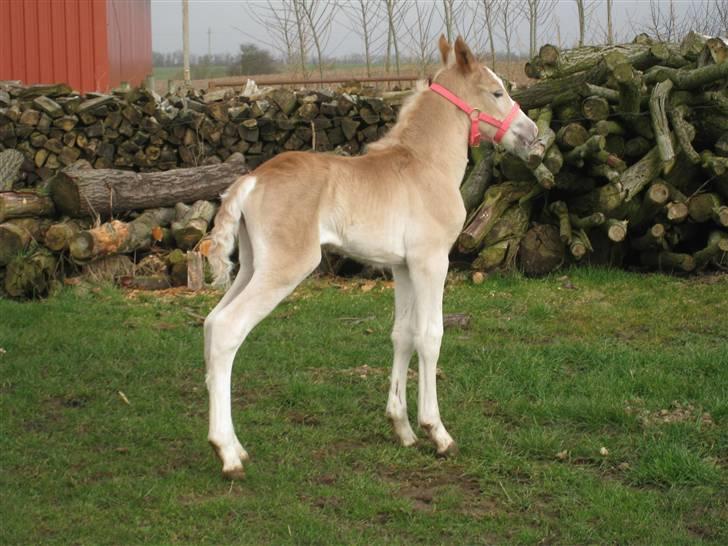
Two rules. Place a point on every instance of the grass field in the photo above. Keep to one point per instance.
(549, 372)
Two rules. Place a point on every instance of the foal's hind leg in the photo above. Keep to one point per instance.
(245, 273)
(403, 342)
(227, 329)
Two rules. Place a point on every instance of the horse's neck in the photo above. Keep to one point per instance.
(435, 133)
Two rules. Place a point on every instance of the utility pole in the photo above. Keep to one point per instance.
(186, 38)
(209, 45)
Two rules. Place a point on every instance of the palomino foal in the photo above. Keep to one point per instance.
(398, 205)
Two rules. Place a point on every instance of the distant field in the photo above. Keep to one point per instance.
(201, 76)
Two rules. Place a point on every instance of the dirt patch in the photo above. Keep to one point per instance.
(424, 489)
(677, 412)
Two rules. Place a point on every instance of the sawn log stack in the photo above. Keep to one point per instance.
(630, 168)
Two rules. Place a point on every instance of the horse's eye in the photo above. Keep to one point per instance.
(498, 94)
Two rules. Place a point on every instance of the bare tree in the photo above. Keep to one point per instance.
(663, 22)
(421, 36)
(301, 35)
(490, 17)
(610, 29)
(582, 20)
(709, 17)
(319, 15)
(447, 18)
(364, 18)
(395, 13)
(279, 21)
(539, 12)
(510, 16)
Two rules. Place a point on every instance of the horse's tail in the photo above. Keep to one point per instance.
(229, 223)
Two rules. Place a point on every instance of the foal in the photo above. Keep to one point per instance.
(398, 205)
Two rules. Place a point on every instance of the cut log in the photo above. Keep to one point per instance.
(193, 225)
(665, 260)
(24, 204)
(708, 206)
(653, 238)
(658, 101)
(561, 211)
(541, 250)
(684, 131)
(473, 189)
(587, 222)
(195, 271)
(59, 236)
(10, 163)
(118, 237)
(497, 199)
(31, 276)
(107, 191)
(545, 139)
(616, 230)
(639, 175)
(13, 241)
(717, 245)
(595, 108)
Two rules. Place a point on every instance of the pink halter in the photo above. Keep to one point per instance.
(479, 116)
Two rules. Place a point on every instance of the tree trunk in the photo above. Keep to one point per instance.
(105, 192)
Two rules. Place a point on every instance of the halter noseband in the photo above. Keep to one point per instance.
(477, 116)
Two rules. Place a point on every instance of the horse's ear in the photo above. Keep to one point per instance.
(463, 56)
(444, 46)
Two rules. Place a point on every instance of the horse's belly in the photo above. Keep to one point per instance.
(369, 244)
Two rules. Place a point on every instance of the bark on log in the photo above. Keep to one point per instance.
(497, 199)
(107, 191)
(24, 204)
(117, 237)
(31, 276)
(541, 250)
(10, 163)
(653, 238)
(717, 245)
(59, 236)
(193, 225)
(473, 189)
(668, 260)
(13, 241)
(658, 101)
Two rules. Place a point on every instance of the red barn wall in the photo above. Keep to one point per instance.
(129, 41)
(92, 45)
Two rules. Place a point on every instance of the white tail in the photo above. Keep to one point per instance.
(228, 224)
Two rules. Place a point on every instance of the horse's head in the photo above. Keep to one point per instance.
(483, 91)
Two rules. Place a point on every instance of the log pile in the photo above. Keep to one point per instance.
(50, 127)
(630, 167)
(134, 228)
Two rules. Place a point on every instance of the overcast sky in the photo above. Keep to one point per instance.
(221, 17)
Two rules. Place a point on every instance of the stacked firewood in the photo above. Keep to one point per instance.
(53, 127)
(630, 167)
(142, 229)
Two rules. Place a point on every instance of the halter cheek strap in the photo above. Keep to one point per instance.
(476, 116)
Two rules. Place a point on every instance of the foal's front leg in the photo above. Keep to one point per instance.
(403, 344)
(428, 280)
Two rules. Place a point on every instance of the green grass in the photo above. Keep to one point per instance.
(542, 370)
